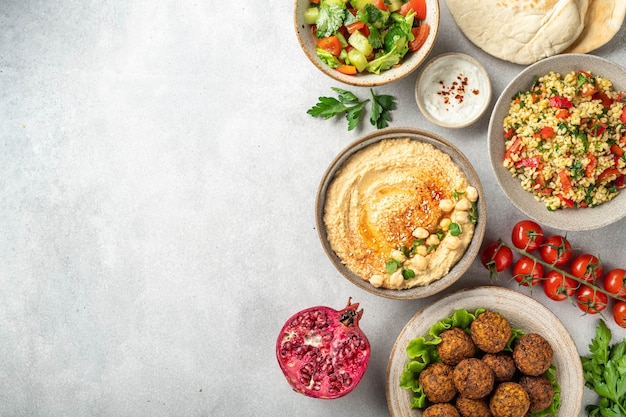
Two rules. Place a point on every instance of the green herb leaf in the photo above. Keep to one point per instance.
(454, 229)
(408, 273)
(603, 371)
(382, 105)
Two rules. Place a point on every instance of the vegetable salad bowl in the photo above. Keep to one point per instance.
(363, 39)
(568, 219)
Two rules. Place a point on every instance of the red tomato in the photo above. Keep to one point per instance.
(527, 270)
(558, 287)
(419, 6)
(527, 235)
(556, 250)
(619, 313)
(496, 257)
(587, 267)
(614, 282)
(591, 301)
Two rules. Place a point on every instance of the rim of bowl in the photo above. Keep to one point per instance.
(419, 97)
(409, 63)
(494, 297)
(456, 271)
(570, 219)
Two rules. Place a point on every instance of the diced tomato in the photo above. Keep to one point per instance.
(591, 166)
(621, 97)
(514, 149)
(420, 34)
(619, 181)
(546, 132)
(560, 102)
(608, 173)
(566, 183)
(598, 129)
(562, 114)
(532, 162)
(617, 150)
(509, 134)
(567, 201)
(347, 69)
(353, 27)
(604, 99)
(419, 6)
(331, 44)
(380, 4)
(623, 115)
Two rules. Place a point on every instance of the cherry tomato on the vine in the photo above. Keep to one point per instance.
(590, 300)
(527, 235)
(619, 313)
(587, 267)
(558, 287)
(527, 271)
(614, 283)
(496, 257)
(556, 250)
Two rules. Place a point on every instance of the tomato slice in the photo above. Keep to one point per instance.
(420, 34)
(330, 44)
(419, 6)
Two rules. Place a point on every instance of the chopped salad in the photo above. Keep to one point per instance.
(371, 36)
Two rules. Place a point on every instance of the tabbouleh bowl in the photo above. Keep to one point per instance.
(565, 140)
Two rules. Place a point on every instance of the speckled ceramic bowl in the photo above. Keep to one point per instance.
(409, 64)
(441, 144)
(453, 90)
(522, 312)
(575, 219)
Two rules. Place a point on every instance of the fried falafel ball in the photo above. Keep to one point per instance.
(540, 391)
(473, 378)
(509, 399)
(532, 354)
(441, 410)
(456, 345)
(437, 382)
(472, 408)
(502, 365)
(491, 332)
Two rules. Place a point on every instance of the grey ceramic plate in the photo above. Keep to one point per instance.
(522, 312)
(443, 145)
(409, 64)
(568, 219)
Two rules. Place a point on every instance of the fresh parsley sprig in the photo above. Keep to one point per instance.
(348, 103)
(605, 372)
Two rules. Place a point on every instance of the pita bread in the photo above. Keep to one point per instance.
(603, 20)
(520, 31)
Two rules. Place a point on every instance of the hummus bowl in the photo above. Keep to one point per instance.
(401, 213)
(521, 311)
(567, 219)
(410, 62)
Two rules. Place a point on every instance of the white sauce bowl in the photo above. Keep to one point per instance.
(453, 90)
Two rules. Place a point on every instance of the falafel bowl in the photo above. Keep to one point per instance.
(484, 351)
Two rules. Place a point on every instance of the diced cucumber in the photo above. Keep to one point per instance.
(394, 5)
(343, 55)
(339, 2)
(360, 42)
(358, 59)
(310, 15)
(342, 39)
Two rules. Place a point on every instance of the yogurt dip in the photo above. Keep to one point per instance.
(453, 90)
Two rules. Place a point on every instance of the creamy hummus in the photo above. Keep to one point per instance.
(400, 213)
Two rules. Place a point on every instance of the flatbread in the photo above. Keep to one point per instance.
(520, 31)
(603, 20)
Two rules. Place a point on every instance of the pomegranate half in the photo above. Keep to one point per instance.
(323, 352)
